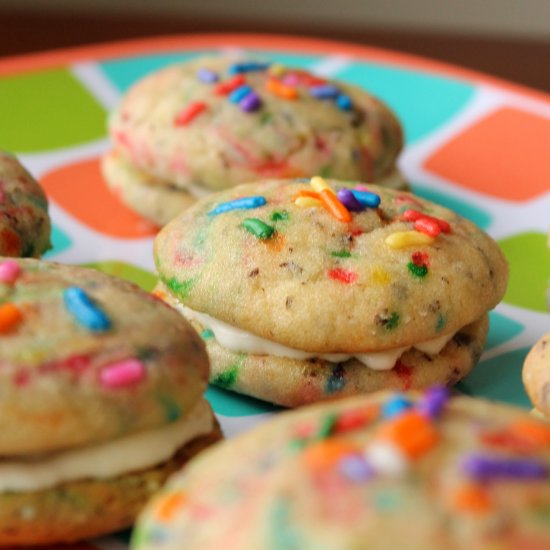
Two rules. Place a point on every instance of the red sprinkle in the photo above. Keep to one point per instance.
(225, 88)
(187, 114)
(343, 275)
(404, 373)
(426, 221)
(420, 258)
(427, 226)
(355, 418)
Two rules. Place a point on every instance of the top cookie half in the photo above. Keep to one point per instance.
(86, 358)
(299, 276)
(216, 123)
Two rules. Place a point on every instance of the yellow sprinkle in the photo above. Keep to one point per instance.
(319, 184)
(380, 276)
(403, 239)
(277, 69)
(308, 202)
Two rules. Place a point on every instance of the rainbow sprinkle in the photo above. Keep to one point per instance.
(84, 310)
(244, 203)
(9, 271)
(122, 374)
(258, 228)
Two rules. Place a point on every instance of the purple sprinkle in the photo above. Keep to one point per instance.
(207, 76)
(356, 468)
(346, 197)
(485, 468)
(434, 401)
(324, 91)
(250, 103)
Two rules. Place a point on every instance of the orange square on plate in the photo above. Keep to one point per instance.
(506, 155)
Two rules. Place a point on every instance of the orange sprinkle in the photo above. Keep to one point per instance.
(10, 315)
(306, 193)
(276, 87)
(334, 206)
(535, 433)
(327, 453)
(473, 499)
(411, 431)
(169, 505)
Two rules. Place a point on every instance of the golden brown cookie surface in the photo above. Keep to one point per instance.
(217, 122)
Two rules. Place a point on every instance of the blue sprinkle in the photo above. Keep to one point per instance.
(395, 406)
(356, 468)
(245, 203)
(324, 91)
(251, 66)
(367, 199)
(344, 102)
(84, 311)
(207, 76)
(239, 93)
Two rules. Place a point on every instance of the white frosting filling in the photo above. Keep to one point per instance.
(106, 460)
(235, 339)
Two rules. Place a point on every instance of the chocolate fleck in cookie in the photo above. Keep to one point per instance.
(102, 398)
(24, 221)
(381, 472)
(305, 291)
(536, 376)
(212, 123)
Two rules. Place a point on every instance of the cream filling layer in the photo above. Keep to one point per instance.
(235, 339)
(106, 460)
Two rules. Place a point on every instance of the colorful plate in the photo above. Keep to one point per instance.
(474, 143)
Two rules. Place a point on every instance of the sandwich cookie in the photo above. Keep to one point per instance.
(212, 123)
(307, 290)
(102, 398)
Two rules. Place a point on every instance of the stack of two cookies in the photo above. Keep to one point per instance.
(212, 123)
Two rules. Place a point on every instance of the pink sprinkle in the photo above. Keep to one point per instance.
(9, 271)
(291, 79)
(363, 188)
(2, 196)
(122, 374)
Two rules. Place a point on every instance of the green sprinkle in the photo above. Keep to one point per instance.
(341, 254)
(258, 228)
(325, 171)
(279, 215)
(297, 444)
(392, 321)
(207, 334)
(326, 426)
(419, 271)
(181, 289)
(441, 322)
(265, 118)
(227, 378)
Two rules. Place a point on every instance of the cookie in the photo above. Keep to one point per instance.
(381, 472)
(312, 299)
(154, 200)
(24, 221)
(102, 398)
(536, 376)
(213, 123)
